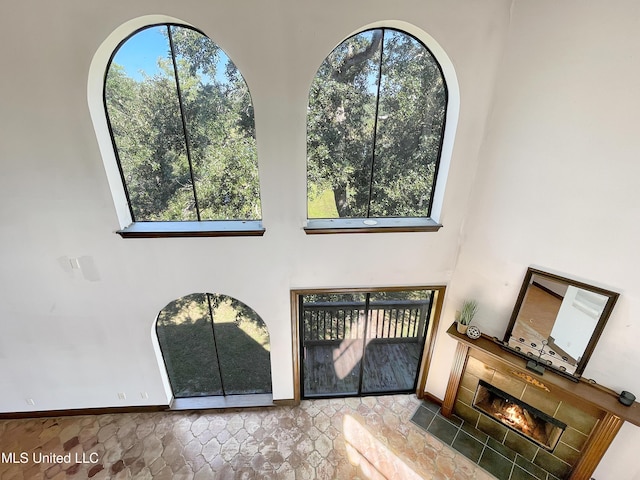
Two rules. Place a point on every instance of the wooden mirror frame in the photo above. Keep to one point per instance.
(535, 364)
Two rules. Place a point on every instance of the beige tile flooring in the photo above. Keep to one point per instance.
(349, 438)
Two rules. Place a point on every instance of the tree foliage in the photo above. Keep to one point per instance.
(375, 124)
(185, 134)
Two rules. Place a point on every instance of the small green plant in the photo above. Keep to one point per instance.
(469, 309)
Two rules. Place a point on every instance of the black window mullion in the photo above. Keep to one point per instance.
(364, 341)
(375, 125)
(215, 344)
(184, 120)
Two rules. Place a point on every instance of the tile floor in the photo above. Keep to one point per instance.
(350, 438)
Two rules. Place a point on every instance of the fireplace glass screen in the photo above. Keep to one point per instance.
(520, 417)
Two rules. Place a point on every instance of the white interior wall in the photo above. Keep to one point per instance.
(75, 338)
(561, 138)
(557, 184)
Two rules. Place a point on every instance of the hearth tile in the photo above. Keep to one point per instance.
(566, 453)
(468, 414)
(501, 449)
(552, 464)
(478, 369)
(443, 430)
(422, 417)
(465, 396)
(468, 446)
(521, 445)
(470, 382)
(520, 474)
(496, 464)
(508, 384)
(574, 438)
(429, 405)
(541, 400)
(576, 418)
(534, 470)
(474, 432)
(457, 421)
(491, 427)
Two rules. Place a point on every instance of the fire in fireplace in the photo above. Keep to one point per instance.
(520, 417)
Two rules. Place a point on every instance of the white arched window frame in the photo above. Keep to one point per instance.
(95, 95)
(433, 222)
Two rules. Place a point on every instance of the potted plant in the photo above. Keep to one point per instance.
(466, 314)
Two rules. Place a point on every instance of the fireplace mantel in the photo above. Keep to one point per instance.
(598, 401)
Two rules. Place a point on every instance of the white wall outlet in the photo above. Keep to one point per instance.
(122, 395)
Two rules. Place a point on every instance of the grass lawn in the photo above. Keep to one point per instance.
(321, 204)
(240, 364)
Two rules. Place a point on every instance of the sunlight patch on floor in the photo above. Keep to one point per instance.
(374, 459)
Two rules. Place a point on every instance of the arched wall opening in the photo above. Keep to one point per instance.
(213, 345)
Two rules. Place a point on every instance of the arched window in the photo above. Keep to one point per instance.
(182, 127)
(214, 345)
(375, 130)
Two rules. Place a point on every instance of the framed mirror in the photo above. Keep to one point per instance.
(557, 321)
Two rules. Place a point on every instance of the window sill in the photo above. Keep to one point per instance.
(367, 225)
(217, 228)
(228, 401)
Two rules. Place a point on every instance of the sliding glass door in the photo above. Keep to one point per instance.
(364, 342)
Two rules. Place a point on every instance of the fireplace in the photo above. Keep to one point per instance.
(518, 416)
(593, 414)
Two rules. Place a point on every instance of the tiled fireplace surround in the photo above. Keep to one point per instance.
(579, 423)
(593, 416)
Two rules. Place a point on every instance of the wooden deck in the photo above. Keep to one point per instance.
(334, 367)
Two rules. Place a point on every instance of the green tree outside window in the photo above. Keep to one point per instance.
(375, 126)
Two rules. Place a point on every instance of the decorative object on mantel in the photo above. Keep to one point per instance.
(535, 365)
(468, 311)
(529, 379)
(473, 332)
(557, 321)
(627, 398)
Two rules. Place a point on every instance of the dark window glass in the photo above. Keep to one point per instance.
(375, 125)
(363, 343)
(214, 345)
(182, 125)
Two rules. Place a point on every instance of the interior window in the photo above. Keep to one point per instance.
(181, 120)
(375, 127)
(214, 345)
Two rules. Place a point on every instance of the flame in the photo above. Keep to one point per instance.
(512, 415)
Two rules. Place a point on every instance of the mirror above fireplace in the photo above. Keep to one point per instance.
(557, 322)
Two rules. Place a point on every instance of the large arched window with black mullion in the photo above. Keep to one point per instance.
(375, 128)
(182, 126)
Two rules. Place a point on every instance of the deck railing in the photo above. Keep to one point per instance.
(401, 320)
